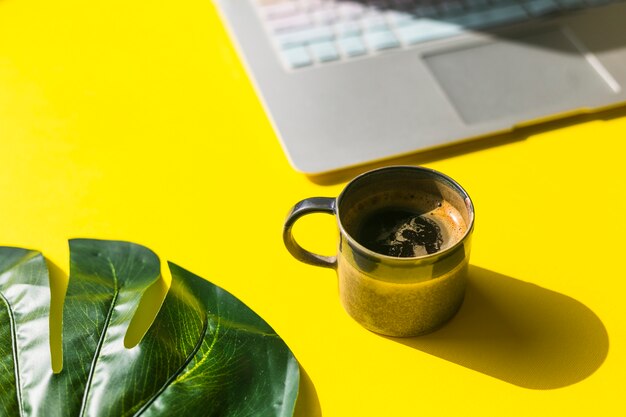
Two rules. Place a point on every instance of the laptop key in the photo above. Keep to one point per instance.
(325, 15)
(374, 22)
(378, 4)
(403, 4)
(304, 36)
(289, 23)
(490, 17)
(296, 57)
(312, 4)
(571, 4)
(350, 10)
(381, 39)
(450, 7)
(426, 10)
(347, 28)
(541, 7)
(476, 4)
(324, 51)
(423, 30)
(397, 18)
(352, 46)
(504, 3)
(598, 2)
(279, 9)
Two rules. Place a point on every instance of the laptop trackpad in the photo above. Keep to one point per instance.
(527, 76)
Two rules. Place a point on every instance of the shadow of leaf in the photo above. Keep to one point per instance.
(520, 333)
(307, 403)
(58, 286)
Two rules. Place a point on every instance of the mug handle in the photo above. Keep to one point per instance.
(304, 207)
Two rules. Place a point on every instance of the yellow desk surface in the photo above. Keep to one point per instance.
(136, 121)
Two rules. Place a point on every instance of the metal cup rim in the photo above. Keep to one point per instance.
(409, 259)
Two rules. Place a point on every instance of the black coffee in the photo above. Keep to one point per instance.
(400, 233)
(423, 225)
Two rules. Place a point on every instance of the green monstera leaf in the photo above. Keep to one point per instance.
(205, 354)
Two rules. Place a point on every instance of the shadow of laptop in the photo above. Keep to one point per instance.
(412, 7)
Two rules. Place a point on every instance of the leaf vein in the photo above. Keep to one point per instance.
(198, 364)
(16, 366)
(100, 341)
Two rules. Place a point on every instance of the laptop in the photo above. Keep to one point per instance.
(347, 82)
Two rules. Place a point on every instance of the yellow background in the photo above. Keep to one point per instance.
(136, 121)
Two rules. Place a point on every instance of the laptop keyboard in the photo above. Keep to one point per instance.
(314, 32)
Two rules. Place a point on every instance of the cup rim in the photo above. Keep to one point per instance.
(407, 259)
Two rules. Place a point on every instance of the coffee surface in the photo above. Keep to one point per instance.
(402, 233)
(410, 232)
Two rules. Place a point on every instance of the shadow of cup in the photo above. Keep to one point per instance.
(519, 333)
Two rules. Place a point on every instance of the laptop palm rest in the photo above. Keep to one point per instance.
(522, 77)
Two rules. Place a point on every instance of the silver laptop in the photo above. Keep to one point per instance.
(347, 82)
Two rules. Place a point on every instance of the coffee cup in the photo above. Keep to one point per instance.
(404, 247)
